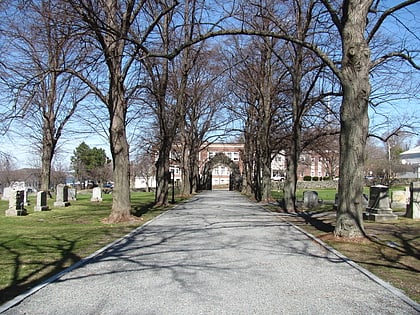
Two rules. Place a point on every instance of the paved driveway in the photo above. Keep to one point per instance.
(216, 254)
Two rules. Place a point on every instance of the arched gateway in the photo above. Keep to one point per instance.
(235, 177)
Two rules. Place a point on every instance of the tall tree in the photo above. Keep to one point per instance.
(351, 20)
(108, 24)
(45, 97)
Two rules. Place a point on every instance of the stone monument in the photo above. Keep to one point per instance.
(96, 194)
(6, 193)
(62, 199)
(379, 206)
(399, 199)
(41, 201)
(414, 207)
(310, 199)
(16, 203)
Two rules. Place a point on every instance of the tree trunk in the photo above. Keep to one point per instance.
(46, 161)
(354, 120)
(121, 205)
(289, 190)
(163, 176)
(298, 109)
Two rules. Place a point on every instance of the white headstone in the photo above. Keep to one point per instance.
(6, 193)
(72, 194)
(96, 194)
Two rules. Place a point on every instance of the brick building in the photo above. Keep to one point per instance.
(310, 164)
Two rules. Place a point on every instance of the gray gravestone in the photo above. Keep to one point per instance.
(310, 199)
(379, 206)
(61, 196)
(399, 199)
(96, 194)
(16, 203)
(41, 201)
(414, 207)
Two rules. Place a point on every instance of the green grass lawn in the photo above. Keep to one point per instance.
(40, 244)
(323, 194)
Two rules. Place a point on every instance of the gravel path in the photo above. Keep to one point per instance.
(216, 254)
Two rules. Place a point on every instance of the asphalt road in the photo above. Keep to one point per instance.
(216, 254)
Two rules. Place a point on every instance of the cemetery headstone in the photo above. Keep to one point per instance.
(399, 199)
(72, 194)
(20, 186)
(96, 194)
(310, 199)
(6, 193)
(41, 201)
(61, 196)
(379, 206)
(16, 203)
(414, 207)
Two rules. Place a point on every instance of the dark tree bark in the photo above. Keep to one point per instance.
(354, 118)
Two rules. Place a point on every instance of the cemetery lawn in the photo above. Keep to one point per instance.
(391, 250)
(41, 244)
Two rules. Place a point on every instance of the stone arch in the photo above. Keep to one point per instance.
(235, 178)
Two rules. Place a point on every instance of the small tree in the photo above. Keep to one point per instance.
(89, 163)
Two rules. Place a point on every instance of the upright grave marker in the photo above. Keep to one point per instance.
(399, 199)
(41, 201)
(6, 193)
(62, 199)
(414, 207)
(16, 203)
(310, 199)
(96, 194)
(378, 208)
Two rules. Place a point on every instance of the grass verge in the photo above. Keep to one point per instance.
(391, 250)
(36, 246)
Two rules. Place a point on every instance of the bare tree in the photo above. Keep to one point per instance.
(44, 96)
(110, 25)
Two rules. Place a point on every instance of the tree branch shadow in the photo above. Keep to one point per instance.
(20, 283)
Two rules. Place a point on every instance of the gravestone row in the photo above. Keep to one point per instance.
(378, 205)
(16, 194)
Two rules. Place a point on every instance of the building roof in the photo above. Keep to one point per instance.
(411, 156)
(415, 150)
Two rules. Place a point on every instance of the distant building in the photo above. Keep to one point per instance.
(311, 164)
(411, 159)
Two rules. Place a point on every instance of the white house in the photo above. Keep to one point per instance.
(411, 158)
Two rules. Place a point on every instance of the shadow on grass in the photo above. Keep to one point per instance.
(139, 210)
(317, 223)
(21, 283)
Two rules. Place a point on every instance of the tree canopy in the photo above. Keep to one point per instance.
(88, 162)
